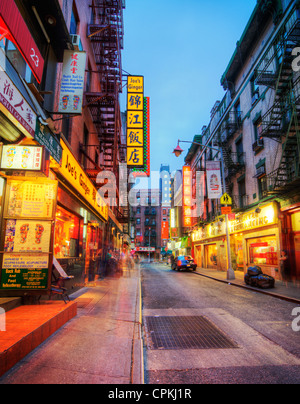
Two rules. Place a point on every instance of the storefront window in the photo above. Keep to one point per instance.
(237, 252)
(212, 256)
(263, 251)
(67, 234)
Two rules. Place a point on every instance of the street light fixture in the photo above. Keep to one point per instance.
(178, 151)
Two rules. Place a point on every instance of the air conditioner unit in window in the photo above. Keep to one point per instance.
(76, 42)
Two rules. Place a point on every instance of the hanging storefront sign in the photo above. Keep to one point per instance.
(14, 105)
(145, 170)
(45, 137)
(14, 28)
(135, 122)
(214, 184)
(187, 196)
(72, 83)
(28, 158)
(165, 232)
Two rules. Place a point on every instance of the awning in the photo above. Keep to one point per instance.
(14, 28)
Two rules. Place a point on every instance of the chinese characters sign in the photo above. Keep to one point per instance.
(214, 184)
(72, 82)
(22, 158)
(135, 121)
(187, 196)
(12, 101)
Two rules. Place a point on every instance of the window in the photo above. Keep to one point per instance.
(254, 91)
(263, 251)
(67, 234)
(74, 22)
(240, 151)
(258, 129)
(88, 78)
(242, 193)
(138, 221)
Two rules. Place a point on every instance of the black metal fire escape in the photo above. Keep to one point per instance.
(106, 36)
(280, 123)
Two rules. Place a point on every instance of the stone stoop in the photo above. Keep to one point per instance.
(28, 326)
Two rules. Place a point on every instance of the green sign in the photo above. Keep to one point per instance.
(45, 137)
(20, 279)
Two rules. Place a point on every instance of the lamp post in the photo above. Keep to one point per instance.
(149, 245)
(178, 151)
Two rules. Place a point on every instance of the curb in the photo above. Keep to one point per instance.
(252, 289)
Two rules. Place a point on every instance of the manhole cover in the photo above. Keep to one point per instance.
(193, 332)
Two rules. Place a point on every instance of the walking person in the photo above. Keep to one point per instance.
(284, 265)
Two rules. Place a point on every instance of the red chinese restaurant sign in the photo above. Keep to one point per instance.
(14, 28)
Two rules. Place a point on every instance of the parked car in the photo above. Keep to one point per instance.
(184, 262)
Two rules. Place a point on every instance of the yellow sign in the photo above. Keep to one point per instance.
(74, 174)
(135, 137)
(135, 119)
(135, 84)
(226, 199)
(135, 156)
(135, 102)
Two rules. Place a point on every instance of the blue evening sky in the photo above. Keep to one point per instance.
(182, 48)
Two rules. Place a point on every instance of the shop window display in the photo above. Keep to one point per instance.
(263, 251)
(67, 234)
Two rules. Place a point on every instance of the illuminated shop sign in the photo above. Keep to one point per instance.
(135, 122)
(71, 170)
(29, 158)
(255, 219)
(187, 196)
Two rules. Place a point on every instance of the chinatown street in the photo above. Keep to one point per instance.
(265, 349)
(155, 326)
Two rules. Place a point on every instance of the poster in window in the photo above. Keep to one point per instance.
(31, 199)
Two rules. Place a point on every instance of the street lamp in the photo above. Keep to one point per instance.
(178, 151)
(149, 245)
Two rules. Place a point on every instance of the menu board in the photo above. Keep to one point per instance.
(31, 199)
(29, 212)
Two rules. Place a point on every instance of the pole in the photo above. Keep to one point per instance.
(230, 271)
(149, 246)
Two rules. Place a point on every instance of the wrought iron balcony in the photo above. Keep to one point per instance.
(234, 163)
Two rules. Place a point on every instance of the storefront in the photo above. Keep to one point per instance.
(290, 213)
(254, 240)
(80, 223)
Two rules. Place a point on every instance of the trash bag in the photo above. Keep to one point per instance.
(265, 282)
(260, 281)
(254, 271)
(247, 279)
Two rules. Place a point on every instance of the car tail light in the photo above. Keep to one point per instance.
(179, 263)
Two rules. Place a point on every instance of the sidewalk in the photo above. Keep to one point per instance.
(284, 290)
(101, 345)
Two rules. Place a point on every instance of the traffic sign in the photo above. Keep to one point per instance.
(226, 199)
(226, 210)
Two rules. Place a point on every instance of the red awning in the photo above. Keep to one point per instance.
(13, 26)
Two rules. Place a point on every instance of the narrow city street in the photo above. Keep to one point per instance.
(199, 331)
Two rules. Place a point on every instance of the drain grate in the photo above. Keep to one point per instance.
(189, 332)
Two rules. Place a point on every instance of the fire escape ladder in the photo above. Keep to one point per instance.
(106, 36)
